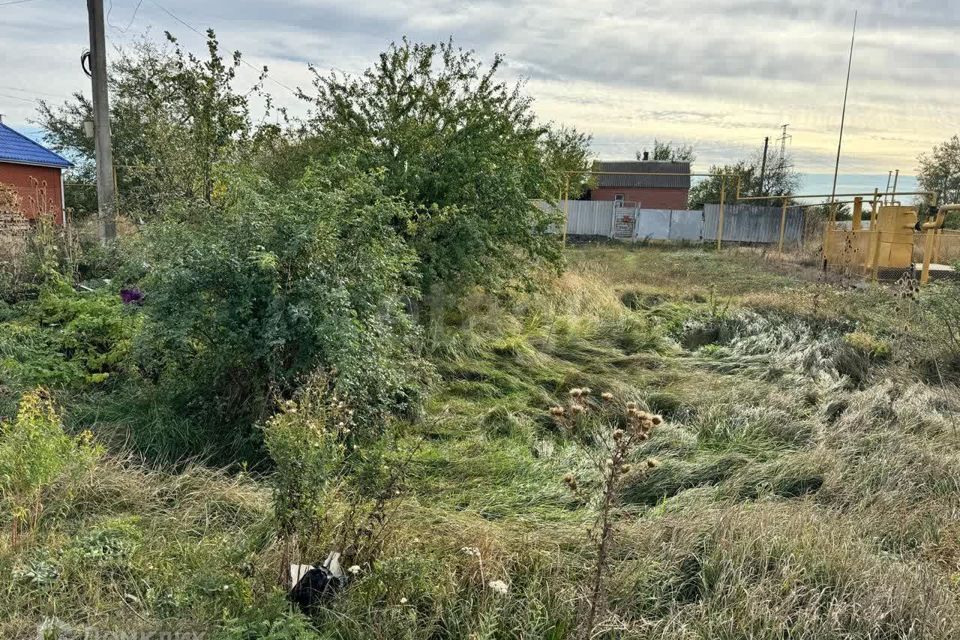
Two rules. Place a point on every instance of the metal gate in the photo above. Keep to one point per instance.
(624, 219)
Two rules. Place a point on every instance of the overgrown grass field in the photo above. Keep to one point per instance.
(807, 478)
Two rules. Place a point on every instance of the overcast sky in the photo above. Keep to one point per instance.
(719, 74)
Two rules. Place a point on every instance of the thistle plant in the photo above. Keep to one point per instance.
(620, 429)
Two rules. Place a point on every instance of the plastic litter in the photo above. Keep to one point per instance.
(311, 585)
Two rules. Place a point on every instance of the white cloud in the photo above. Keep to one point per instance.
(721, 74)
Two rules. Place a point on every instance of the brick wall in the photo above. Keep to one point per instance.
(37, 187)
(14, 227)
(647, 198)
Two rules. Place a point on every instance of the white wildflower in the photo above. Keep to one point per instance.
(355, 569)
(403, 601)
(499, 586)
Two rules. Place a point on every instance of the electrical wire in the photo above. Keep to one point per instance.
(133, 17)
(8, 96)
(31, 92)
(3, 4)
(200, 33)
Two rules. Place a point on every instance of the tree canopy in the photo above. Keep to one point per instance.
(175, 118)
(780, 179)
(670, 151)
(463, 147)
(939, 171)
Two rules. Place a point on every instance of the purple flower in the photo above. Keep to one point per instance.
(131, 295)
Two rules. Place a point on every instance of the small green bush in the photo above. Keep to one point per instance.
(34, 452)
(244, 302)
(66, 338)
(305, 440)
(93, 330)
(272, 619)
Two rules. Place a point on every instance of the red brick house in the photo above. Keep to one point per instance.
(34, 172)
(648, 192)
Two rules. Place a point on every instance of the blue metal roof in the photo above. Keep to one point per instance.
(18, 148)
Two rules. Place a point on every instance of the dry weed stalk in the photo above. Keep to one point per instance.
(621, 434)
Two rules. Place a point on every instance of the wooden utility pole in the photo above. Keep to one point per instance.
(763, 164)
(106, 194)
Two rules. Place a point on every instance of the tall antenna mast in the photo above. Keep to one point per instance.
(843, 116)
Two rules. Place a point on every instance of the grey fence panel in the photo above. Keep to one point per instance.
(652, 224)
(584, 218)
(589, 218)
(750, 223)
(742, 222)
(686, 226)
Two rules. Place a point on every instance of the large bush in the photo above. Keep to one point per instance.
(464, 147)
(245, 299)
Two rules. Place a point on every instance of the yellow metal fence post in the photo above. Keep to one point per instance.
(857, 214)
(566, 209)
(874, 250)
(723, 193)
(827, 232)
(927, 253)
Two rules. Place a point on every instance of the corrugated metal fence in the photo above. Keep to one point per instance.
(742, 223)
(588, 218)
(754, 224)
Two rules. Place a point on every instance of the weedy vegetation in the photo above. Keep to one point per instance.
(357, 336)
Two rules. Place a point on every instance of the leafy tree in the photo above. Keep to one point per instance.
(241, 306)
(463, 147)
(566, 153)
(823, 211)
(939, 171)
(780, 180)
(671, 152)
(174, 118)
(722, 177)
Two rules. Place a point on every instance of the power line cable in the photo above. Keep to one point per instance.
(133, 17)
(200, 33)
(8, 96)
(3, 4)
(31, 92)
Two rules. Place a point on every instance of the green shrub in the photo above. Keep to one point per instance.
(305, 440)
(465, 148)
(243, 302)
(93, 330)
(34, 452)
(940, 307)
(66, 338)
(272, 619)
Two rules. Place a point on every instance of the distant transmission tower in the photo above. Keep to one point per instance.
(783, 141)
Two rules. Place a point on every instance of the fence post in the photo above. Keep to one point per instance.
(723, 193)
(873, 247)
(927, 254)
(566, 209)
(783, 223)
